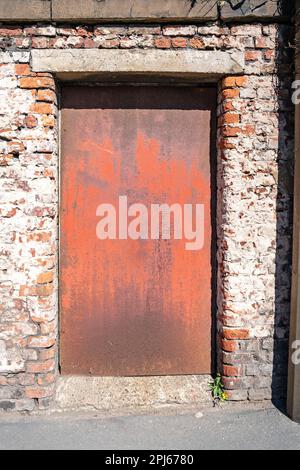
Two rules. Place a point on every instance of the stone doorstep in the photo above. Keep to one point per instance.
(113, 393)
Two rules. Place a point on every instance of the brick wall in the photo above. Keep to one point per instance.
(254, 193)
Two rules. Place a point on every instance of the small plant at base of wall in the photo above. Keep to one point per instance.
(217, 390)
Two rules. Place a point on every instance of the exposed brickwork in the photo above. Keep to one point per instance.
(28, 308)
(254, 168)
(254, 219)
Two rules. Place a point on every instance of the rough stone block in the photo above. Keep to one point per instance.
(25, 10)
(137, 61)
(140, 10)
(247, 9)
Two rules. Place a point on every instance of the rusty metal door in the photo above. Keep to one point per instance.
(136, 300)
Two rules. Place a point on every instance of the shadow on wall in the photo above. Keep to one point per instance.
(284, 211)
(246, 7)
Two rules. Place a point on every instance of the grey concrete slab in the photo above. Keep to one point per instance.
(235, 428)
(146, 61)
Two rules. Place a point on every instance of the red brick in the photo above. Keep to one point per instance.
(48, 121)
(235, 334)
(22, 42)
(230, 93)
(6, 159)
(232, 383)
(231, 131)
(13, 380)
(228, 346)
(46, 277)
(241, 81)
(229, 82)
(46, 379)
(49, 328)
(36, 82)
(261, 42)
(58, 43)
(163, 43)
(88, 43)
(110, 43)
(41, 367)
(48, 263)
(31, 122)
(15, 147)
(252, 55)
(41, 211)
(40, 43)
(8, 212)
(22, 69)
(249, 130)
(41, 342)
(30, 31)
(46, 95)
(45, 302)
(229, 118)
(269, 55)
(41, 108)
(39, 236)
(231, 371)
(43, 290)
(228, 106)
(27, 379)
(82, 31)
(11, 31)
(226, 145)
(197, 43)
(179, 42)
(48, 173)
(49, 353)
(27, 291)
(38, 392)
(3, 381)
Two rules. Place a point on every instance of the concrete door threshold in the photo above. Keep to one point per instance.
(112, 393)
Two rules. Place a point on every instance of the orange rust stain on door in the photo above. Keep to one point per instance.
(134, 307)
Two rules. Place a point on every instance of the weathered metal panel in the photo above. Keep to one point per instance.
(134, 306)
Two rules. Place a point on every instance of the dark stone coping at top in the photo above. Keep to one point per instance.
(149, 11)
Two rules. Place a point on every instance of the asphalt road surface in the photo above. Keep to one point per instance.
(227, 428)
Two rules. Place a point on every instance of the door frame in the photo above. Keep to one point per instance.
(186, 66)
(213, 184)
